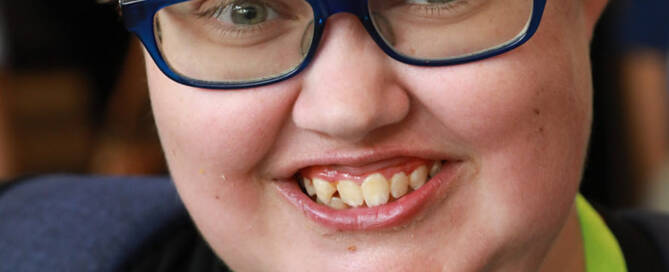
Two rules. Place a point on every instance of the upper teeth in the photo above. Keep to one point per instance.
(436, 167)
(375, 190)
(350, 193)
(418, 177)
(324, 190)
(399, 185)
(309, 186)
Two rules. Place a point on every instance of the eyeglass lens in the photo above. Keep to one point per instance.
(250, 40)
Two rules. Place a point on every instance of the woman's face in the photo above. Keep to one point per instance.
(511, 132)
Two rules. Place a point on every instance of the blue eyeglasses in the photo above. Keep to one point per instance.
(232, 44)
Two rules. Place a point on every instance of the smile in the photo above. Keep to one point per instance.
(343, 190)
(382, 194)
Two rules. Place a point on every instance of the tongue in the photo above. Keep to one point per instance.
(387, 168)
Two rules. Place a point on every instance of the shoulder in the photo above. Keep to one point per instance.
(76, 223)
(643, 237)
(654, 225)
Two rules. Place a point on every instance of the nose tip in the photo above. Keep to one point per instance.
(350, 118)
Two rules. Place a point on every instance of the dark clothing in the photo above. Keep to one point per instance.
(70, 223)
(643, 237)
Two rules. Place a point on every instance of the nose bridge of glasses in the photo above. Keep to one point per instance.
(356, 7)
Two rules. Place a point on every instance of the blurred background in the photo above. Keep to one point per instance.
(73, 98)
(73, 94)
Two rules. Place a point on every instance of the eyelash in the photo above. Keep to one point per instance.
(430, 10)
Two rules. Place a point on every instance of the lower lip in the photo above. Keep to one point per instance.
(393, 214)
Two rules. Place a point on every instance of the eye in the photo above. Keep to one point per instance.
(245, 13)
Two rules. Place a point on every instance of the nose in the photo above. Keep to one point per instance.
(350, 89)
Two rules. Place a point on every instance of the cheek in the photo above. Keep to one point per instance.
(213, 140)
(230, 131)
(540, 88)
(526, 125)
(490, 106)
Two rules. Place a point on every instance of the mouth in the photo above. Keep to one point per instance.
(381, 194)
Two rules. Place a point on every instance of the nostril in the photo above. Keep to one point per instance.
(350, 118)
(343, 123)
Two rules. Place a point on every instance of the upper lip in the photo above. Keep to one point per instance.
(354, 158)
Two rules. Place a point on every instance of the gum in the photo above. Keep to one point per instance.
(334, 174)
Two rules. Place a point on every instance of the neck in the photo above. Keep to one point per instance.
(567, 253)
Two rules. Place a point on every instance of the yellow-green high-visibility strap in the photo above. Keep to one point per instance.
(602, 251)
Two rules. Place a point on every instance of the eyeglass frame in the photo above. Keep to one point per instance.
(139, 16)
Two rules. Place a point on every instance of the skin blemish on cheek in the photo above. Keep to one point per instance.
(224, 178)
(537, 114)
(352, 248)
(218, 197)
